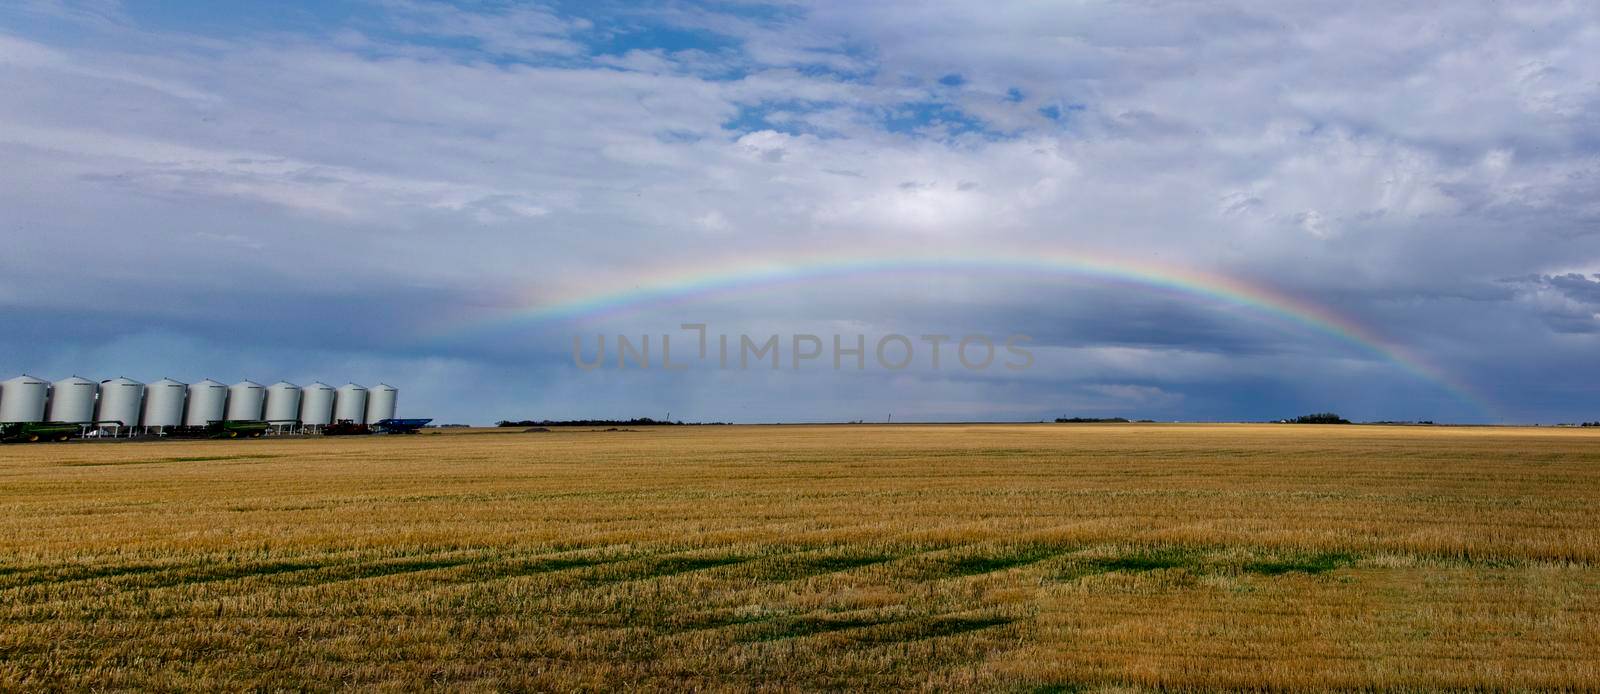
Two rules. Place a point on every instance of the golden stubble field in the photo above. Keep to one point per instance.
(1020, 558)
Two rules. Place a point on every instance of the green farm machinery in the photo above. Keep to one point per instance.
(30, 432)
(225, 429)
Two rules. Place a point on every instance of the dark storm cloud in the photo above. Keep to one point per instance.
(1576, 287)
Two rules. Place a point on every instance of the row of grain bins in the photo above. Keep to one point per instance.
(123, 405)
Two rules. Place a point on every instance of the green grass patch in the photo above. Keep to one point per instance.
(793, 567)
(1136, 561)
(662, 567)
(150, 576)
(1309, 564)
(931, 628)
(1151, 561)
(491, 569)
(669, 566)
(1195, 561)
(67, 573)
(799, 627)
(710, 620)
(983, 561)
(1058, 688)
(392, 567)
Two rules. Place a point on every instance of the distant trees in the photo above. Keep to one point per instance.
(640, 421)
(1091, 420)
(1318, 418)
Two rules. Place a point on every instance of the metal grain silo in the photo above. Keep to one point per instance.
(208, 402)
(120, 399)
(245, 400)
(164, 403)
(22, 399)
(350, 402)
(316, 405)
(283, 403)
(72, 401)
(380, 402)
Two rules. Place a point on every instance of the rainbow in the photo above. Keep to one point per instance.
(681, 285)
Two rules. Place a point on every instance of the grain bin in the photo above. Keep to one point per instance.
(163, 404)
(120, 400)
(316, 405)
(350, 402)
(72, 401)
(381, 402)
(245, 401)
(208, 402)
(283, 403)
(22, 399)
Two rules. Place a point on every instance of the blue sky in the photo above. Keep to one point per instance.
(309, 191)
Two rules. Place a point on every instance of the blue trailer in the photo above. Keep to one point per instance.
(399, 426)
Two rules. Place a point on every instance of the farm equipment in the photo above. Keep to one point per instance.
(225, 429)
(399, 426)
(29, 432)
(345, 427)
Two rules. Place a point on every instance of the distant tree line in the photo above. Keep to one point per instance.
(1318, 418)
(640, 421)
(1091, 420)
(1590, 424)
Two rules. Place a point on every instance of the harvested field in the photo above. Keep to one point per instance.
(1017, 558)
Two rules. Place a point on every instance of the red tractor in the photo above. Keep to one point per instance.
(345, 427)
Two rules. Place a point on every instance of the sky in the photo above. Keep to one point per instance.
(1192, 211)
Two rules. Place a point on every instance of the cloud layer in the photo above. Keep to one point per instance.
(311, 192)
